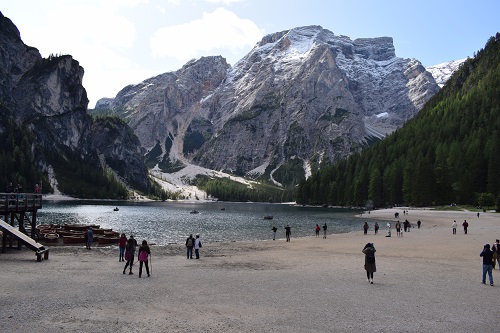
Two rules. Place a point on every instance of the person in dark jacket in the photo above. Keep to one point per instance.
(142, 256)
(487, 255)
(129, 255)
(189, 246)
(370, 267)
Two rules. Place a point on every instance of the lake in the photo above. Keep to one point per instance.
(163, 223)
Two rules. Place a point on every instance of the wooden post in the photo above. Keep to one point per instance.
(33, 224)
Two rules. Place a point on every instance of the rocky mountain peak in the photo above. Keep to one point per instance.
(298, 97)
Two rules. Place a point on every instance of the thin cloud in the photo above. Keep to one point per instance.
(221, 29)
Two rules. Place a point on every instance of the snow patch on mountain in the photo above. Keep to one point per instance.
(442, 72)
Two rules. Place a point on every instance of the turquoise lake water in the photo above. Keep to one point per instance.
(165, 223)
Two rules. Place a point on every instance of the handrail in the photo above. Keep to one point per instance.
(19, 202)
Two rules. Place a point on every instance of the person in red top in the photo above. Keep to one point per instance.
(317, 230)
(122, 243)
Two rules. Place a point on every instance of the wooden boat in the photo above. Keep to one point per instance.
(105, 240)
(73, 239)
(65, 233)
(101, 231)
(116, 209)
(111, 234)
(80, 227)
(50, 237)
(268, 217)
(194, 212)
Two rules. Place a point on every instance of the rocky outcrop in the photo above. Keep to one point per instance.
(47, 96)
(299, 95)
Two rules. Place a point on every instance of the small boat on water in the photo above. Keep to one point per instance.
(194, 212)
(268, 217)
(116, 209)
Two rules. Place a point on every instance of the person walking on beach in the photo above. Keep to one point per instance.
(487, 255)
(189, 246)
(418, 224)
(465, 225)
(122, 243)
(376, 228)
(317, 229)
(365, 228)
(370, 267)
(287, 232)
(274, 229)
(454, 227)
(324, 231)
(197, 246)
(89, 238)
(143, 256)
(129, 255)
(388, 230)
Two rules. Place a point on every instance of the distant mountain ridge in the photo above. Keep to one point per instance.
(298, 98)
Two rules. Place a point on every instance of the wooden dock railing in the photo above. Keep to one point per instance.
(19, 202)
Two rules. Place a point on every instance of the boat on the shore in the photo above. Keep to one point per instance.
(73, 240)
(80, 227)
(107, 240)
(75, 234)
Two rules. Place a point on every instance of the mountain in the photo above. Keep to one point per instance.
(448, 153)
(82, 156)
(298, 98)
(443, 72)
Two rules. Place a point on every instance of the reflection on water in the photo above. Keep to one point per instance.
(167, 222)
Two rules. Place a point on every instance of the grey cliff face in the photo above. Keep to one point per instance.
(302, 94)
(121, 149)
(161, 109)
(47, 95)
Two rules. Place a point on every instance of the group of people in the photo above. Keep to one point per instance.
(318, 228)
(127, 253)
(19, 189)
(193, 243)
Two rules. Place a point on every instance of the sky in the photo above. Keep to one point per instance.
(122, 42)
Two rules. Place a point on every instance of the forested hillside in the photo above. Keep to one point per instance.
(448, 153)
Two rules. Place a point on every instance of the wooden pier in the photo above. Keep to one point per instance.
(21, 207)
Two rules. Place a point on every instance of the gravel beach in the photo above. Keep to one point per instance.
(426, 281)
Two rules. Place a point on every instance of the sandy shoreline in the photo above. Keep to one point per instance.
(426, 281)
